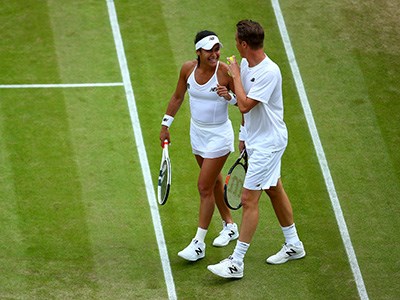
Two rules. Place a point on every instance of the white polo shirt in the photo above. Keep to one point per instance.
(266, 130)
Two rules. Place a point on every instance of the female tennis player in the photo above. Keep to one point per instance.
(209, 87)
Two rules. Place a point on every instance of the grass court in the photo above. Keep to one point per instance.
(76, 215)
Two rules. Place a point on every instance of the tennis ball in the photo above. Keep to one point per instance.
(230, 60)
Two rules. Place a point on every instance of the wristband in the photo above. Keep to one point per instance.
(167, 120)
(242, 133)
(233, 100)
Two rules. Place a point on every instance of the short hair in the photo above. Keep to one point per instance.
(251, 32)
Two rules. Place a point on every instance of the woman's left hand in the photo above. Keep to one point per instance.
(223, 91)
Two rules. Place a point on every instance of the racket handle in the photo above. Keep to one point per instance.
(165, 143)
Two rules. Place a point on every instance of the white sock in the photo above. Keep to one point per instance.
(200, 234)
(239, 252)
(290, 234)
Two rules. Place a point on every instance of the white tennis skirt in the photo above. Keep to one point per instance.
(264, 169)
(211, 141)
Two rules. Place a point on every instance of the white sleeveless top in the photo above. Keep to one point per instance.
(206, 106)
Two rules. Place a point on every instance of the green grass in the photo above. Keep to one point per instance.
(355, 98)
(75, 221)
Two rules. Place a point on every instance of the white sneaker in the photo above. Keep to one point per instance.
(227, 269)
(288, 252)
(195, 251)
(228, 233)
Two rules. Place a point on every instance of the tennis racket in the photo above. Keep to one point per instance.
(164, 178)
(234, 182)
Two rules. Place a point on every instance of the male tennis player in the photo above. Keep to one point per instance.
(258, 87)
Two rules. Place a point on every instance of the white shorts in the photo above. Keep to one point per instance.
(211, 141)
(264, 169)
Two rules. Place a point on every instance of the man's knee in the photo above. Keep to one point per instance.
(249, 200)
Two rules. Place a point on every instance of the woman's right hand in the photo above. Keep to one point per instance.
(164, 135)
(242, 146)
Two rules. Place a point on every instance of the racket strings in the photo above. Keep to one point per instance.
(233, 190)
(164, 181)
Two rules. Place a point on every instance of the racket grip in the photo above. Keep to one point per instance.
(165, 143)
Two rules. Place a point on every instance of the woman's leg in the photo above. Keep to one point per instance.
(209, 179)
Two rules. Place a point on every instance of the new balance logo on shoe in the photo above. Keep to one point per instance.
(232, 269)
(288, 252)
(195, 251)
(291, 252)
(227, 234)
(227, 269)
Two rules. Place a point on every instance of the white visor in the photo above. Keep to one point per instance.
(208, 42)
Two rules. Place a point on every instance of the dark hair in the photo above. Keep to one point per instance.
(200, 35)
(251, 32)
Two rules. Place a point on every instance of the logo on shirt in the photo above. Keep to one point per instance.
(213, 89)
(253, 79)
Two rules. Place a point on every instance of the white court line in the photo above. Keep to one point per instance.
(320, 153)
(162, 247)
(59, 85)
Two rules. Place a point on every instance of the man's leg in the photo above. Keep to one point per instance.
(293, 247)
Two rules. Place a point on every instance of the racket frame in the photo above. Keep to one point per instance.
(164, 159)
(244, 164)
